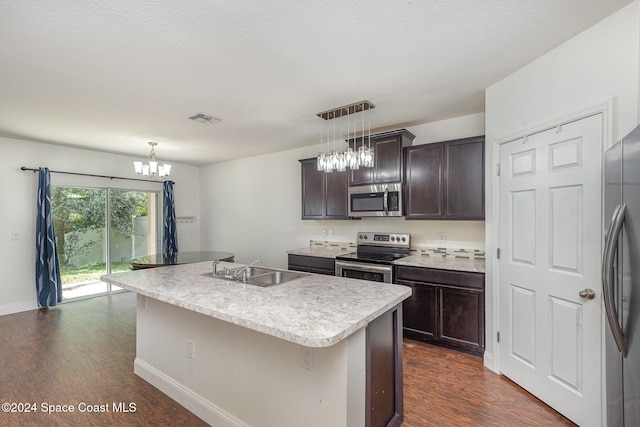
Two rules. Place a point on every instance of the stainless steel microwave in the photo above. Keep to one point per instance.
(375, 200)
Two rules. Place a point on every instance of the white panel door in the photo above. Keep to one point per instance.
(550, 244)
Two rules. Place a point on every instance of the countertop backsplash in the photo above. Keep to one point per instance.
(333, 245)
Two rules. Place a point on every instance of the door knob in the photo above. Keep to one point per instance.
(587, 293)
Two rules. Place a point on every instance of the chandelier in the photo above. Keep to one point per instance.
(152, 168)
(358, 151)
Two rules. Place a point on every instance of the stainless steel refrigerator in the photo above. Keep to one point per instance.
(621, 281)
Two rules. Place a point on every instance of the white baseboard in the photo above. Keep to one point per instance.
(489, 362)
(17, 308)
(195, 403)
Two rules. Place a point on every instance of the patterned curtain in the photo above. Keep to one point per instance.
(48, 282)
(169, 235)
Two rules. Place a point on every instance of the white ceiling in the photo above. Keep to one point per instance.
(112, 75)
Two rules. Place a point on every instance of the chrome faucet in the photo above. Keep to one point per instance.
(245, 269)
(215, 267)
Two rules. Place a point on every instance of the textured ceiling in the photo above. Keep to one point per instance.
(112, 75)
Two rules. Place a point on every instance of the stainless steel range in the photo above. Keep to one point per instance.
(374, 256)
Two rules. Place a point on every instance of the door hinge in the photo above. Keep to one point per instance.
(498, 169)
(498, 336)
(498, 253)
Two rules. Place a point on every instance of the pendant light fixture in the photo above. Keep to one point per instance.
(152, 169)
(358, 152)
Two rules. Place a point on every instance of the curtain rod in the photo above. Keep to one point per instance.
(89, 174)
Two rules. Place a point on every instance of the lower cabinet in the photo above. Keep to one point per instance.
(420, 310)
(312, 264)
(446, 307)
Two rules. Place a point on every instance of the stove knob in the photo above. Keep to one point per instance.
(404, 239)
(365, 237)
(393, 239)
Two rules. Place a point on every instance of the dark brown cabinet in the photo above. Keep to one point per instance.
(324, 195)
(446, 307)
(384, 385)
(311, 264)
(388, 159)
(445, 180)
(424, 182)
(421, 309)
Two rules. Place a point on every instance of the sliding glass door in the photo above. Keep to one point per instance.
(132, 228)
(98, 231)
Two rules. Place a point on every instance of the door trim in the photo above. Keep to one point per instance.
(492, 273)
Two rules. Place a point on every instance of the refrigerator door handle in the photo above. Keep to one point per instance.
(610, 248)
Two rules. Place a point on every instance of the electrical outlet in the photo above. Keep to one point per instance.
(331, 232)
(324, 232)
(15, 235)
(190, 349)
(442, 236)
(306, 357)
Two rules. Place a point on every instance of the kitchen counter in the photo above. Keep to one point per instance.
(315, 311)
(443, 263)
(225, 350)
(473, 265)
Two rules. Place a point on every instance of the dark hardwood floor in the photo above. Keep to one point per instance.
(443, 387)
(82, 353)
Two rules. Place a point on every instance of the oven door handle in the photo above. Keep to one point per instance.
(364, 267)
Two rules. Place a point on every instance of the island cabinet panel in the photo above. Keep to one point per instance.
(388, 159)
(312, 264)
(446, 307)
(445, 180)
(324, 195)
(384, 398)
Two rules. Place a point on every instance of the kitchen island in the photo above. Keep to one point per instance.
(314, 351)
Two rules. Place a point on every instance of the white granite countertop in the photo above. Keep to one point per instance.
(443, 263)
(321, 252)
(314, 311)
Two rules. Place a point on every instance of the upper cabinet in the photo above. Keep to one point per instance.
(445, 180)
(388, 159)
(324, 195)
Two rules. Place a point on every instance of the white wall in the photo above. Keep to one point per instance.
(19, 190)
(252, 206)
(597, 67)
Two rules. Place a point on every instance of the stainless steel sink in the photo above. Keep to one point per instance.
(274, 278)
(259, 276)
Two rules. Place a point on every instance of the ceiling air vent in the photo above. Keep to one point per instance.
(203, 118)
